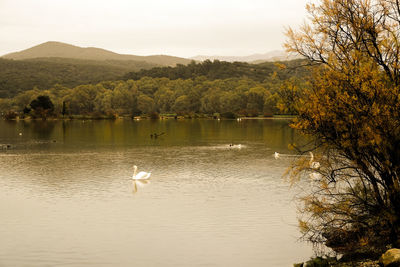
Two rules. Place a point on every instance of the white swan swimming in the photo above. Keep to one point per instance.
(314, 164)
(139, 179)
(140, 175)
(276, 155)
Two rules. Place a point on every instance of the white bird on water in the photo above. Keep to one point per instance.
(276, 155)
(140, 175)
(139, 179)
(314, 164)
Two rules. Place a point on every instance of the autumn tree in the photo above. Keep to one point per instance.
(42, 106)
(255, 100)
(351, 108)
(145, 104)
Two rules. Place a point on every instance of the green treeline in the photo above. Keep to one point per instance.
(229, 97)
(216, 69)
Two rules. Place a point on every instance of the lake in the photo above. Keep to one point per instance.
(67, 197)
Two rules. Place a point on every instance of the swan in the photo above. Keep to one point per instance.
(139, 179)
(140, 175)
(276, 155)
(314, 164)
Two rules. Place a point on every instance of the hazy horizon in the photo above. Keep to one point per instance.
(177, 27)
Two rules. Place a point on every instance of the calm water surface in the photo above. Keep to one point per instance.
(67, 198)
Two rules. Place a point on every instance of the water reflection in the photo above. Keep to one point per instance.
(41, 129)
(140, 184)
(120, 133)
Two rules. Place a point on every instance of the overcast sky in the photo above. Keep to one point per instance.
(143, 27)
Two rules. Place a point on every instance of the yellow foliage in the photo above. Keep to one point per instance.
(351, 107)
(364, 241)
(304, 227)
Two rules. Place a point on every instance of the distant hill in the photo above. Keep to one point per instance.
(276, 55)
(63, 50)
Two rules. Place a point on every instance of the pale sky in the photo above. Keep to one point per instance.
(183, 28)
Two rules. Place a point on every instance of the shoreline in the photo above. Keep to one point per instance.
(137, 118)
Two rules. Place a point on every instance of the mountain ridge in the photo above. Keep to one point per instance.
(63, 50)
(275, 55)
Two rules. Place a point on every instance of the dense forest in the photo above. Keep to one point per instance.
(20, 75)
(216, 69)
(229, 89)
